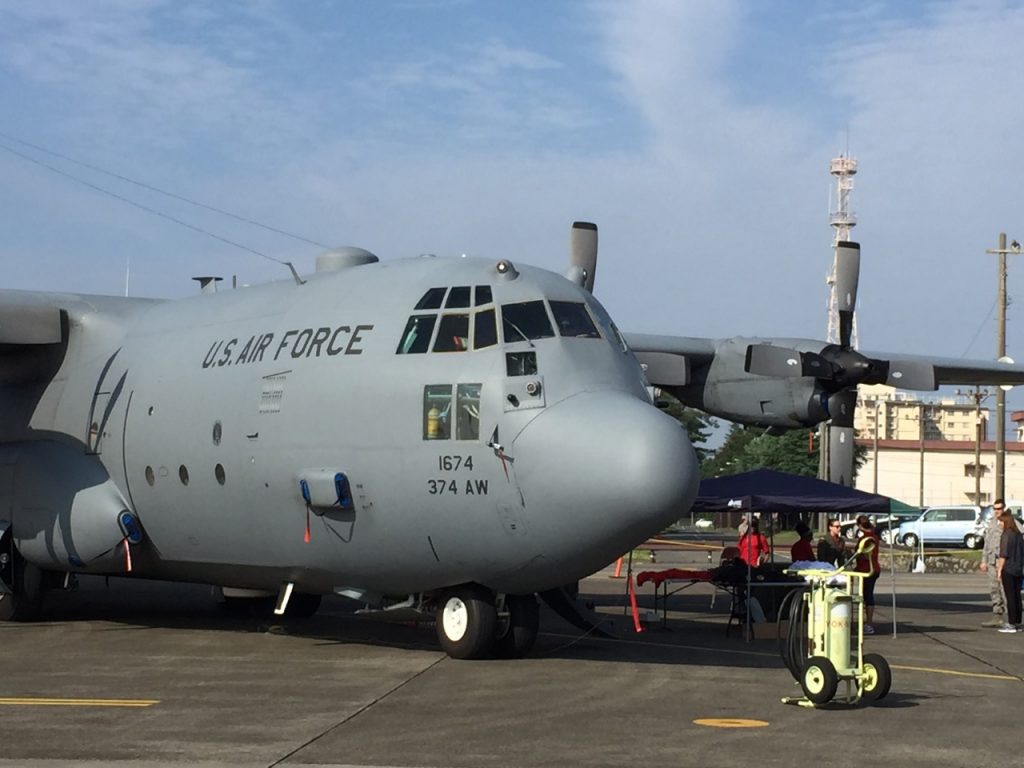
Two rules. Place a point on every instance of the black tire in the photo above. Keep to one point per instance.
(971, 541)
(302, 606)
(25, 603)
(819, 680)
(466, 622)
(249, 607)
(877, 678)
(517, 632)
(910, 540)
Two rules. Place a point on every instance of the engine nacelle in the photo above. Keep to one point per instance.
(725, 389)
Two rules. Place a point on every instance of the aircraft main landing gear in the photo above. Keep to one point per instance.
(21, 598)
(517, 626)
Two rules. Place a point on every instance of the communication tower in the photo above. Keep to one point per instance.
(842, 219)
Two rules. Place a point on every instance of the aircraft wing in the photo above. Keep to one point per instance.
(954, 370)
(790, 383)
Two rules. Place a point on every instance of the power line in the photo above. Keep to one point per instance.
(143, 185)
(140, 206)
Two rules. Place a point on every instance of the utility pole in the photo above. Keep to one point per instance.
(978, 396)
(1001, 251)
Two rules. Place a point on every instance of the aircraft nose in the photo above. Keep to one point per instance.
(603, 468)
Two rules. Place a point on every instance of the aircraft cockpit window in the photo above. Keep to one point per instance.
(458, 297)
(453, 333)
(485, 330)
(467, 415)
(437, 410)
(431, 299)
(483, 295)
(525, 320)
(573, 320)
(416, 337)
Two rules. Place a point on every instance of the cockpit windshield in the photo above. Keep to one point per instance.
(524, 321)
(475, 327)
(572, 320)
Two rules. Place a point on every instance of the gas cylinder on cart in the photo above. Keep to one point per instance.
(831, 625)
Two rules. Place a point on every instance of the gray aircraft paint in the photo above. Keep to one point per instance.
(561, 500)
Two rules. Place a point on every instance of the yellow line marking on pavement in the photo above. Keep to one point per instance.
(730, 722)
(44, 702)
(983, 675)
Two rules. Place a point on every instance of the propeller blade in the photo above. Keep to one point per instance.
(840, 455)
(847, 278)
(583, 250)
(912, 374)
(783, 362)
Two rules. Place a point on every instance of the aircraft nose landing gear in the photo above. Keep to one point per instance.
(472, 624)
(466, 621)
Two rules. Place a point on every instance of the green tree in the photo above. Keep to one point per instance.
(698, 424)
(747, 448)
(729, 458)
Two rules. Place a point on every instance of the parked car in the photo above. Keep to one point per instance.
(885, 524)
(1016, 509)
(955, 524)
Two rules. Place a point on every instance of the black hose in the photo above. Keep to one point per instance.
(794, 649)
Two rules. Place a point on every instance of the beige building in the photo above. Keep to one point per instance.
(943, 473)
(898, 415)
(924, 452)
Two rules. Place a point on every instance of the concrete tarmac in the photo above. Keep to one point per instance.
(150, 674)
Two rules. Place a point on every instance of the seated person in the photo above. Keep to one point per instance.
(802, 549)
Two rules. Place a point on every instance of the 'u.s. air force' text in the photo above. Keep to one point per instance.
(298, 343)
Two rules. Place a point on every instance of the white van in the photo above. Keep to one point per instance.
(956, 524)
(1016, 508)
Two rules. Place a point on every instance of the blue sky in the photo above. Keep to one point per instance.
(696, 134)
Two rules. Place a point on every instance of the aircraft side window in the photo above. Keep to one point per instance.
(525, 320)
(467, 416)
(453, 334)
(485, 330)
(431, 299)
(416, 337)
(437, 408)
(458, 297)
(520, 363)
(483, 295)
(572, 319)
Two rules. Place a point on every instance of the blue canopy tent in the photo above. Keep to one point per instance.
(765, 490)
(778, 493)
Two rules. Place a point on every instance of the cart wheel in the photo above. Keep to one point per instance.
(819, 680)
(877, 677)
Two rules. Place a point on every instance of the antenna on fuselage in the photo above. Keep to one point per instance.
(298, 280)
(207, 284)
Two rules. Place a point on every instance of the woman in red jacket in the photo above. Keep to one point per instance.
(754, 549)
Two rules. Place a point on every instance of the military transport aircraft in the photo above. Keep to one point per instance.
(446, 436)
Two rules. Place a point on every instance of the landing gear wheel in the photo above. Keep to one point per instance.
(819, 680)
(302, 606)
(517, 632)
(26, 601)
(466, 622)
(877, 678)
